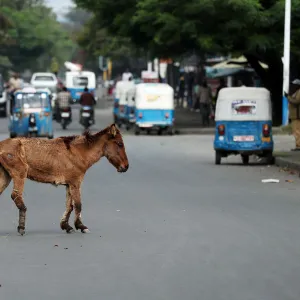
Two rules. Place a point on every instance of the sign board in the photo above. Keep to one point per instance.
(103, 63)
(243, 107)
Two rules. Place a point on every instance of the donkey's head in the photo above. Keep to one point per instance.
(114, 149)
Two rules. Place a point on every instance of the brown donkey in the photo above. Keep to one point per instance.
(61, 161)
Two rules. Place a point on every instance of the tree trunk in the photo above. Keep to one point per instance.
(272, 80)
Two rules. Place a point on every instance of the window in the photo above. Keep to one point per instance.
(31, 101)
(80, 81)
(43, 78)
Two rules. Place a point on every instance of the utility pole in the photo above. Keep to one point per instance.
(286, 62)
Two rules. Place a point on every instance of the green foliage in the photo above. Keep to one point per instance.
(172, 27)
(35, 36)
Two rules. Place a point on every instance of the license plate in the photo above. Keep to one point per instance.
(78, 93)
(145, 125)
(243, 138)
(64, 115)
(266, 139)
(86, 114)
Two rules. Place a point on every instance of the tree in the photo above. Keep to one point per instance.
(171, 28)
(34, 36)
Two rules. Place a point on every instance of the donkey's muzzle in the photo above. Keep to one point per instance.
(123, 169)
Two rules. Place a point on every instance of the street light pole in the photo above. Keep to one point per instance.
(286, 62)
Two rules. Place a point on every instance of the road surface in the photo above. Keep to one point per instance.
(174, 227)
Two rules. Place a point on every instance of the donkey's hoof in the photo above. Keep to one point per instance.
(21, 230)
(86, 230)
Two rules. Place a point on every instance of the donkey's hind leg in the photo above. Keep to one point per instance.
(17, 169)
(5, 179)
(64, 223)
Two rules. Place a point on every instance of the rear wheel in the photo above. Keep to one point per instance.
(50, 137)
(170, 130)
(12, 135)
(218, 157)
(245, 159)
(137, 130)
(270, 159)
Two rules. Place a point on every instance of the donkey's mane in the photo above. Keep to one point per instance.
(89, 138)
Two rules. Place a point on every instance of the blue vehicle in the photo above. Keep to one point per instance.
(130, 106)
(243, 124)
(31, 114)
(76, 81)
(154, 108)
(121, 102)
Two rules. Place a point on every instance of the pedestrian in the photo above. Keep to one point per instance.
(205, 100)
(196, 103)
(294, 112)
(221, 86)
(181, 91)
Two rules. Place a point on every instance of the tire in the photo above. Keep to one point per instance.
(12, 135)
(50, 137)
(218, 158)
(127, 127)
(170, 131)
(159, 132)
(245, 159)
(33, 135)
(137, 130)
(271, 159)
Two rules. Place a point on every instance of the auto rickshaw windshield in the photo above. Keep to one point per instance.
(32, 101)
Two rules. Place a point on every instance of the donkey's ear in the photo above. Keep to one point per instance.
(113, 130)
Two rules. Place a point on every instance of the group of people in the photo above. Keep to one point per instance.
(64, 101)
(199, 97)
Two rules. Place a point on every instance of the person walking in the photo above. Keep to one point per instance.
(205, 100)
(294, 112)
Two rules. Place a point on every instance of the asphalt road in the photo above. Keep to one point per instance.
(174, 227)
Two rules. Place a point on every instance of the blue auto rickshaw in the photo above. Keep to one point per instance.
(31, 114)
(121, 102)
(243, 124)
(130, 106)
(154, 108)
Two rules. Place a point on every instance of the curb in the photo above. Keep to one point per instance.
(287, 163)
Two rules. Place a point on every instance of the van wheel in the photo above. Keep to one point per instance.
(245, 159)
(218, 158)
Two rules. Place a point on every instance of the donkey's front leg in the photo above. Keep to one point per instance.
(76, 199)
(64, 222)
(17, 197)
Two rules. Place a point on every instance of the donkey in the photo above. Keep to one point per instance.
(61, 161)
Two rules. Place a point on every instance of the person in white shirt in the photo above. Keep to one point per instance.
(126, 75)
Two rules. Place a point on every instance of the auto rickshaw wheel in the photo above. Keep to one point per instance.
(170, 130)
(12, 135)
(245, 159)
(270, 159)
(218, 157)
(50, 137)
(137, 130)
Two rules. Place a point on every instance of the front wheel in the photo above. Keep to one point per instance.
(218, 158)
(245, 159)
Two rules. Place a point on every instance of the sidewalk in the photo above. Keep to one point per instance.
(191, 121)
